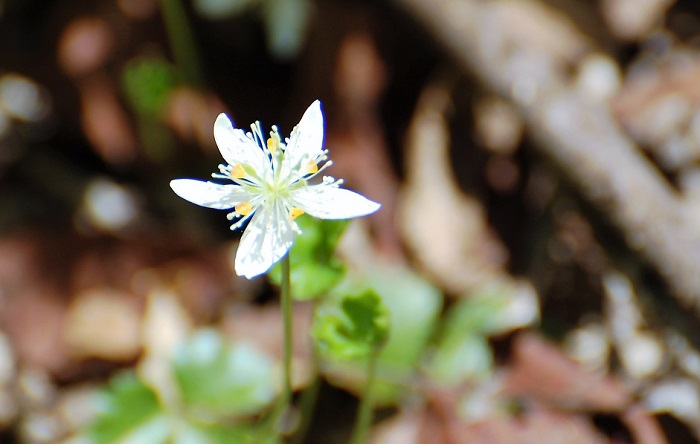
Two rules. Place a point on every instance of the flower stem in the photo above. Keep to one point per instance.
(288, 331)
(364, 411)
(283, 419)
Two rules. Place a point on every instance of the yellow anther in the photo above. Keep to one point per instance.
(295, 212)
(273, 145)
(243, 208)
(311, 167)
(237, 172)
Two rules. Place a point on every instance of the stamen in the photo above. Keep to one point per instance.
(243, 208)
(312, 170)
(237, 172)
(311, 167)
(331, 181)
(273, 145)
(324, 166)
(257, 134)
(240, 223)
(223, 172)
(244, 211)
(295, 212)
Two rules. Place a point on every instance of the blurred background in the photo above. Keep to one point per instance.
(546, 151)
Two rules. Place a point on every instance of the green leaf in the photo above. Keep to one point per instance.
(128, 411)
(494, 308)
(215, 433)
(414, 306)
(462, 351)
(217, 379)
(475, 314)
(314, 269)
(369, 319)
(147, 83)
(458, 358)
(354, 329)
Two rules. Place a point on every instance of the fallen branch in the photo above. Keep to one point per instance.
(577, 132)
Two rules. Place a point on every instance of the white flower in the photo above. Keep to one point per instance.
(271, 186)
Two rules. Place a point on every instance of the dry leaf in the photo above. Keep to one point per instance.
(634, 19)
(104, 121)
(542, 371)
(166, 326)
(658, 106)
(34, 321)
(191, 114)
(85, 45)
(444, 229)
(357, 142)
(103, 323)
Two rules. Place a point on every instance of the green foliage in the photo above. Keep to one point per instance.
(462, 350)
(217, 379)
(213, 434)
(461, 357)
(314, 269)
(216, 382)
(355, 329)
(147, 82)
(127, 407)
(413, 305)
(475, 314)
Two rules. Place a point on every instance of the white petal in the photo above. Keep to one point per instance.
(307, 138)
(209, 194)
(325, 202)
(266, 240)
(236, 147)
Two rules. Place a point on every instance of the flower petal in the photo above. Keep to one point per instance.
(327, 202)
(236, 147)
(210, 194)
(266, 240)
(306, 140)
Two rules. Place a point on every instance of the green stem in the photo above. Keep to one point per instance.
(281, 421)
(288, 331)
(181, 40)
(364, 412)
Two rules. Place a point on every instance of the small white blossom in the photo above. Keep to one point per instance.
(271, 188)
